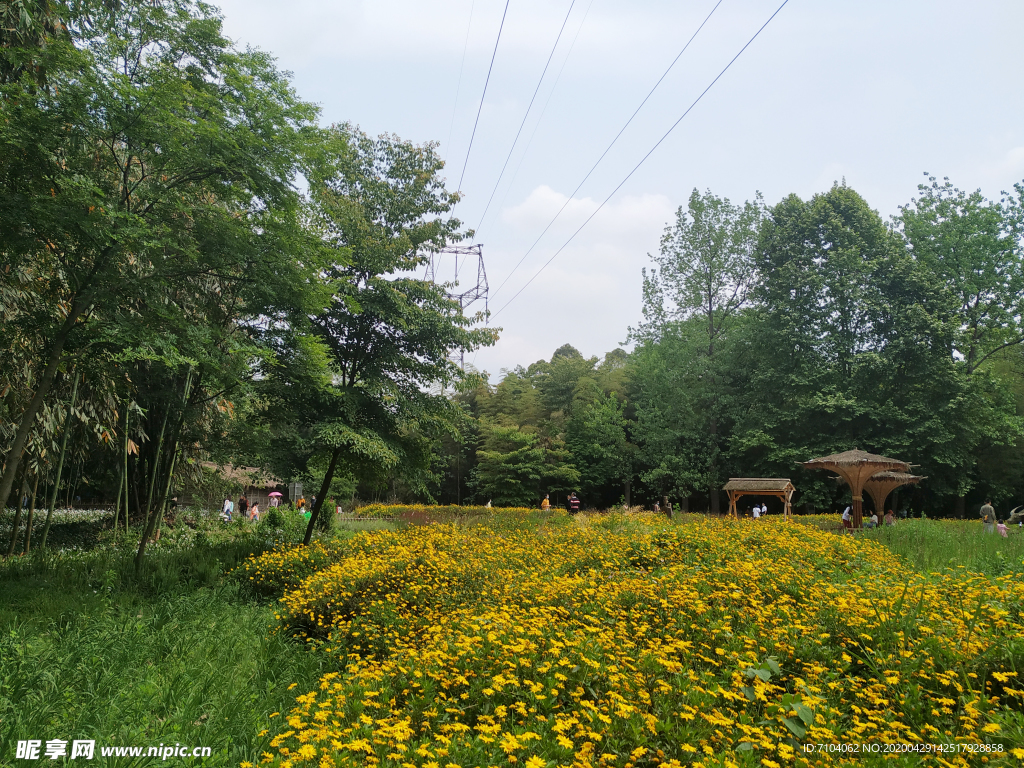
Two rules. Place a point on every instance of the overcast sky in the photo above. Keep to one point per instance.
(872, 91)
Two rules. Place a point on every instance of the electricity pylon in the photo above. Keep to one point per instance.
(440, 266)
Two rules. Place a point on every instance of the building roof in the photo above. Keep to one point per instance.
(757, 484)
(245, 476)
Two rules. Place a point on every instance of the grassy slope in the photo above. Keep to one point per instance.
(177, 656)
(932, 545)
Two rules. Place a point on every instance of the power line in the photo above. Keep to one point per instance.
(483, 96)
(643, 159)
(455, 108)
(608, 148)
(547, 101)
(528, 108)
(458, 88)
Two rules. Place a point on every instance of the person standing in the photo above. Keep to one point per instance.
(254, 512)
(757, 511)
(574, 503)
(847, 519)
(988, 516)
(226, 509)
(243, 506)
(545, 505)
(890, 518)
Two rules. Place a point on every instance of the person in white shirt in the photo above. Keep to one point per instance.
(847, 519)
(757, 511)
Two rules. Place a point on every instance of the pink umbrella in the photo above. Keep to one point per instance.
(275, 493)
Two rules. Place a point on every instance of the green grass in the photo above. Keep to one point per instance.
(89, 650)
(934, 545)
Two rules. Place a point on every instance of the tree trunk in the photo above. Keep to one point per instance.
(14, 455)
(60, 461)
(961, 502)
(31, 514)
(627, 489)
(149, 517)
(713, 489)
(154, 518)
(165, 495)
(17, 514)
(320, 496)
(122, 481)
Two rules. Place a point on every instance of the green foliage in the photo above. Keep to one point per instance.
(515, 469)
(704, 278)
(355, 382)
(85, 653)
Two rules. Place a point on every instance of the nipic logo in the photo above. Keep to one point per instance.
(54, 749)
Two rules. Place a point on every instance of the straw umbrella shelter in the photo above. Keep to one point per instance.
(880, 485)
(856, 468)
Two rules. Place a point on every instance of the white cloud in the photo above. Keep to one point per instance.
(590, 293)
(1010, 164)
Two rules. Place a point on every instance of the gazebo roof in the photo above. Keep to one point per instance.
(757, 484)
(881, 484)
(894, 479)
(857, 467)
(855, 458)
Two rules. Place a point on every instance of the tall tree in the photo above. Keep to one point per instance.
(139, 179)
(374, 359)
(705, 272)
(972, 250)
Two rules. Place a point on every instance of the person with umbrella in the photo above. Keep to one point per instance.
(275, 498)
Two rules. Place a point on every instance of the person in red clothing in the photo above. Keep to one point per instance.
(574, 504)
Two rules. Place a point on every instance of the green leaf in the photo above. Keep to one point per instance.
(805, 713)
(798, 730)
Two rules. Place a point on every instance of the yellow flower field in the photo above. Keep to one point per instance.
(629, 640)
(391, 511)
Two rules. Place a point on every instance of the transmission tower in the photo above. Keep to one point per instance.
(451, 261)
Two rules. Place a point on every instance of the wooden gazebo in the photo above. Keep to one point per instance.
(759, 486)
(856, 467)
(881, 484)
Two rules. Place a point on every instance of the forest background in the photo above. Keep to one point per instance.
(194, 272)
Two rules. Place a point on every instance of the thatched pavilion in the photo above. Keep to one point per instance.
(759, 486)
(856, 468)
